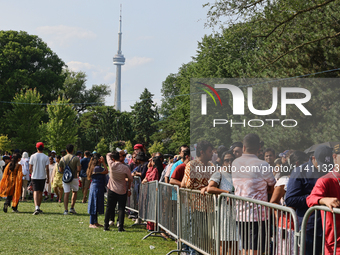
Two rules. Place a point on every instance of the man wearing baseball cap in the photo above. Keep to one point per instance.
(38, 166)
(301, 183)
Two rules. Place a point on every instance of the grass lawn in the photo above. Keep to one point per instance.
(55, 233)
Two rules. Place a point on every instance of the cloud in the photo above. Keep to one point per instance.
(79, 66)
(64, 35)
(136, 61)
(94, 72)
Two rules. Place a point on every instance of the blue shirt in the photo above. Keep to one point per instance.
(84, 162)
(174, 167)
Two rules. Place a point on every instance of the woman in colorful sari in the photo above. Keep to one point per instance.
(11, 183)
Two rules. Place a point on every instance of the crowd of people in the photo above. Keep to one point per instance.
(291, 178)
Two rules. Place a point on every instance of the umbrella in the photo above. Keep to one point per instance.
(313, 147)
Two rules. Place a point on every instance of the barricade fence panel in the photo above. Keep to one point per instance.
(233, 224)
(325, 235)
(132, 201)
(147, 202)
(167, 213)
(197, 220)
(253, 225)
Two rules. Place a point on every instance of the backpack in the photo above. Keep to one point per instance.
(67, 176)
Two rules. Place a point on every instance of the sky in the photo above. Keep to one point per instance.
(158, 37)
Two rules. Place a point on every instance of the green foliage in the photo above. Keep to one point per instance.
(102, 147)
(156, 147)
(26, 62)
(128, 147)
(74, 89)
(5, 144)
(24, 119)
(61, 129)
(144, 115)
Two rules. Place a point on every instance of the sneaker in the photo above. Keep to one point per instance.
(111, 223)
(5, 207)
(65, 212)
(40, 211)
(121, 230)
(106, 229)
(36, 212)
(137, 221)
(15, 211)
(73, 211)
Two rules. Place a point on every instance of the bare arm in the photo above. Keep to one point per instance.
(213, 188)
(167, 180)
(278, 193)
(105, 168)
(175, 182)
(47, 174)
(31, 168)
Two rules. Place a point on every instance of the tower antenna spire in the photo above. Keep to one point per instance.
(119, 60)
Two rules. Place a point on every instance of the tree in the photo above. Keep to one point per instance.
(61, 129)
(5, 144)
(102, 147)
(286, 28)
(129, 147)
(144, 115)
(156, 147)
(23, 120)
(26, 62)
(74, 89)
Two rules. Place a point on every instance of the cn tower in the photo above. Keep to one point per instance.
(119, 60)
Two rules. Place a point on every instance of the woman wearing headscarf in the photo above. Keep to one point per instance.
(24, 162)
(11, 183)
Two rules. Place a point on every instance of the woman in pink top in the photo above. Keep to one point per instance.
(117, 188)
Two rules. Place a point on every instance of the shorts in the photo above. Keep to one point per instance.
(74, 185)
(38, 184)
(250, 234)
(85, 182)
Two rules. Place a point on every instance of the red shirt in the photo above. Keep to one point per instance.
(327, 186)
(179, 172)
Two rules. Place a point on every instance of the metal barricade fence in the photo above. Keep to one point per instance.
(132, 201)
(329, 242)
(197, 220)
(248, 224)
(168, 208)
(147, 202)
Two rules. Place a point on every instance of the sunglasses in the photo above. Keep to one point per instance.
(228, 160)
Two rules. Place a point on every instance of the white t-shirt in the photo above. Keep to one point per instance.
(251, 178)
(39, 161)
